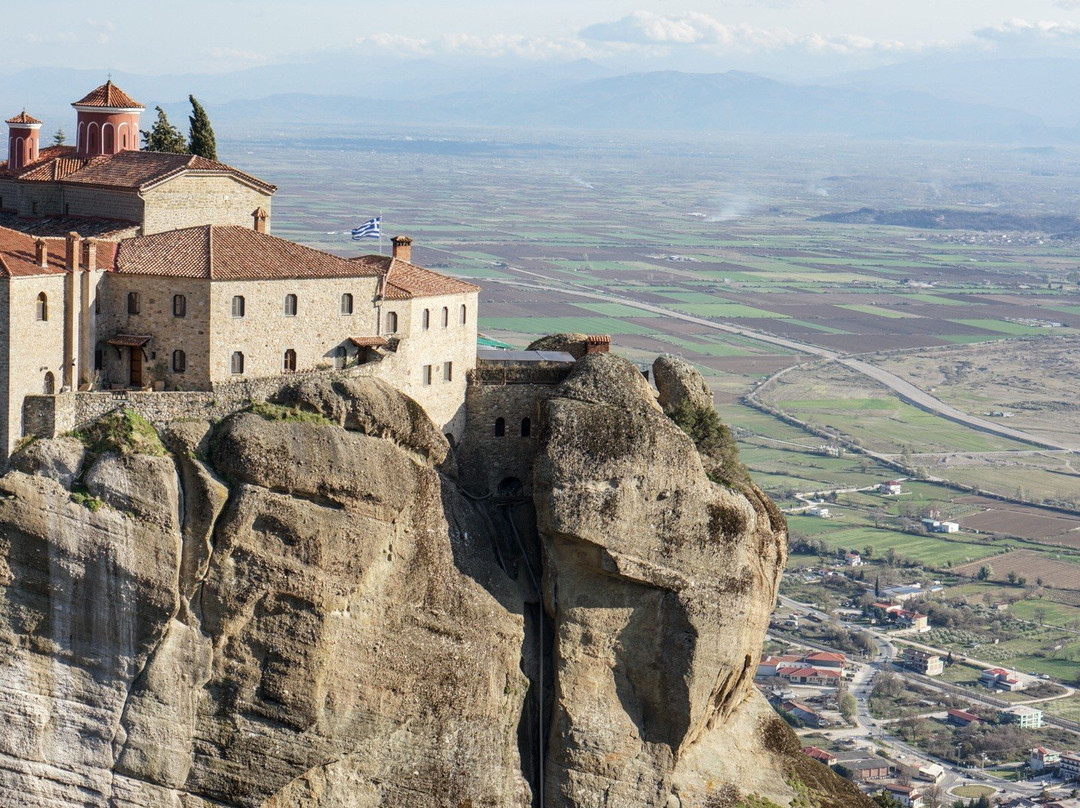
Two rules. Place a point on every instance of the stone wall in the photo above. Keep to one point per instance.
(36, 348)
(191, 200)
(103, 203)
(449, 351)
(49, 416)
(487, 460)
(190, 333)
(265, 331)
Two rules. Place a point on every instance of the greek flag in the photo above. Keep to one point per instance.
(369, 229)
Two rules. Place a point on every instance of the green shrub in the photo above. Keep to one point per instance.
(277, 412)
(123, 432)
(713, 440)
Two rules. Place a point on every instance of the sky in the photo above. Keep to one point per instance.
(778, 37)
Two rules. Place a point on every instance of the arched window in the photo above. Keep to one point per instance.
(133, 302)
(50, 384)
(464, 314)
(236, 364)
(92, 138)
(108, 138)
(289, 365)
(341, 357)
(179, 361)
(290, 305)
(238, 306)
(445, 317)
(346, 303)
(179, 306)
(526, 427)
(500, 427)
(391, 322)
(426, 321)
(43, 306)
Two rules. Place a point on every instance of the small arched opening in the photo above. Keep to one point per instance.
(43, 306)
(526, 427)
(510, 486)
(50, 384)
(500, 427)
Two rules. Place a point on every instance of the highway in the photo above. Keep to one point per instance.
(903, 388)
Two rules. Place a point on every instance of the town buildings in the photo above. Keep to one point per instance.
(1024, 717)
(924, 662)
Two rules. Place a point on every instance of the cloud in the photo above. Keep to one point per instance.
(1022, 31)
(702, 30)
(461, 44)
(1069, 4)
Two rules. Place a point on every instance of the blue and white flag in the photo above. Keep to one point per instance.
(369, 229)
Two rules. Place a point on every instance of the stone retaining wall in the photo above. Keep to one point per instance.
(49, 416)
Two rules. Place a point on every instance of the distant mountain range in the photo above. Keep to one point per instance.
(1022, 102)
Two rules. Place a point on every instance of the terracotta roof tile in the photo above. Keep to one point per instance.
(60, 226)
(42, 167)
(23, 118)
(108, 95)
(143, 169)
(229, 253)
(17, 255)
(369, 342)
(404, 281)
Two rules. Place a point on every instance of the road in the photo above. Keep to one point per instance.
(903, 388)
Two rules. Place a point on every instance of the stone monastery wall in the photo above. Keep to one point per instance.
(189, 201)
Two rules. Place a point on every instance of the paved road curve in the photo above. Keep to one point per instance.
(905, 389)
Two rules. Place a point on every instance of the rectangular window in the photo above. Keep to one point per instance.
(427, 375)
(448, 371)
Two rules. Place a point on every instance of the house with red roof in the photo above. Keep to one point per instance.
(962, 718)
(105, 186)
(820, 755)
(125, 269)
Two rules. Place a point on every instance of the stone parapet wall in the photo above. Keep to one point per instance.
(50, 416)
(545, 373)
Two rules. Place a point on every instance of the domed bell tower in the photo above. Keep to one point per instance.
(108, 121)
(22, 140)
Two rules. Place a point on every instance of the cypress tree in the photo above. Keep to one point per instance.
(201, 135)
(59, 139)
(163, 136)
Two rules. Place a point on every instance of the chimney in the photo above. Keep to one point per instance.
(402, 248)
(41, 252)
(261, 218)
(597, 343)
(71, 257)
(89, 254)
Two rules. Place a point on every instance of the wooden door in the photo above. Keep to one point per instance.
(136, 367)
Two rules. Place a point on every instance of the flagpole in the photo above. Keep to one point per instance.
(380, 233)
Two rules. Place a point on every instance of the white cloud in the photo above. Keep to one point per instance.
(702, 30)
(493, 45)
(1022, 31)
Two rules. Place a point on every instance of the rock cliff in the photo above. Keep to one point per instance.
(300, 606)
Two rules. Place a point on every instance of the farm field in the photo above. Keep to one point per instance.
(717, 233)
(1058, 571)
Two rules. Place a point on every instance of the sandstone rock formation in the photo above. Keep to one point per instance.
(660, 584)
(300, 607)
(678, 381)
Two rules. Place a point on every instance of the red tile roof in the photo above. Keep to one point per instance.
(403, 281)
(108, 95)
(23, 118)
(137, 170)
(18, 252)
(143, 170)
(818, 754)
(229, 253)
(369, 342)
(825, 656)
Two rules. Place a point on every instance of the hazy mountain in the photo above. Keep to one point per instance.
(670, 101)
(1048, 88)
(358, 89)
